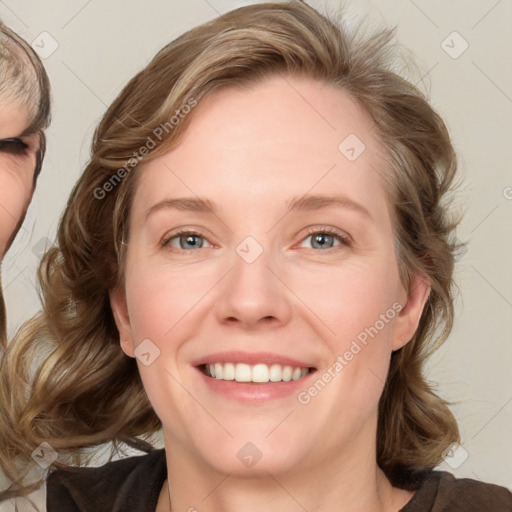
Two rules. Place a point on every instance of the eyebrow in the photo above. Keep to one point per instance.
(302, 203)
(25, 133)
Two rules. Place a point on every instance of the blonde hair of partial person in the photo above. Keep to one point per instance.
(23, 81)
(64, 379)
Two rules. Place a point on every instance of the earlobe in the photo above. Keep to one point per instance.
(122, 319)
(409, 317)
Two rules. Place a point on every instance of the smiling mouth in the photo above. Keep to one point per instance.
(258, 373)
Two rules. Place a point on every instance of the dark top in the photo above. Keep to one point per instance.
(134, 485)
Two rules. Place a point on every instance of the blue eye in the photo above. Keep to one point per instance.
(319, 237)
(184, 238)
(14, 146)
(323, 238)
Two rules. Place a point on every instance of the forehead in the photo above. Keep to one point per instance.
(14, 118)
(283, 136)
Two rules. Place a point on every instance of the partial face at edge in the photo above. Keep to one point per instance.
(255, 277)
(18, 157)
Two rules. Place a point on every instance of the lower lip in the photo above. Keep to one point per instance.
(252, 391)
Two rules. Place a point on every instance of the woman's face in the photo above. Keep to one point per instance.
(18, 157)
(296, 267)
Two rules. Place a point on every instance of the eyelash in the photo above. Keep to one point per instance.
(342, 237)
(14, 146)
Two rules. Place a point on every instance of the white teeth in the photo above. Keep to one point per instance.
(218, 371)
(287, 373)
(242, 372)
(275, 373)
(296, 374)
(229, 371)
(260, 373)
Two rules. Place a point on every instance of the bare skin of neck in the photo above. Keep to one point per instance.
(388, 499)
(346, 480)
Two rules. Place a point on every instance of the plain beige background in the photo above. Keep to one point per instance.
(463, 51)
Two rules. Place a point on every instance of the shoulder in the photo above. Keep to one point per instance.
(133, 483)
(468, 494)
(442, 492)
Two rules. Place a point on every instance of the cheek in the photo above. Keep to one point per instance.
(346, 311)
(169, 305)
(15, 195)
(356, 308)
(161, 299)
(161, 302)
(350, 298)
(340, 303)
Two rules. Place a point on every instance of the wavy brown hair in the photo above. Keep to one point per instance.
(65, 380)
(23, 80)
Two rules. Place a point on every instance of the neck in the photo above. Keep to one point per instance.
(342, 482)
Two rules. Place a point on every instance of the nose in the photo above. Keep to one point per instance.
(254, 295)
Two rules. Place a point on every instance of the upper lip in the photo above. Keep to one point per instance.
(268, 358)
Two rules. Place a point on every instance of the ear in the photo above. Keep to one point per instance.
(122, 319)
(413, 302)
